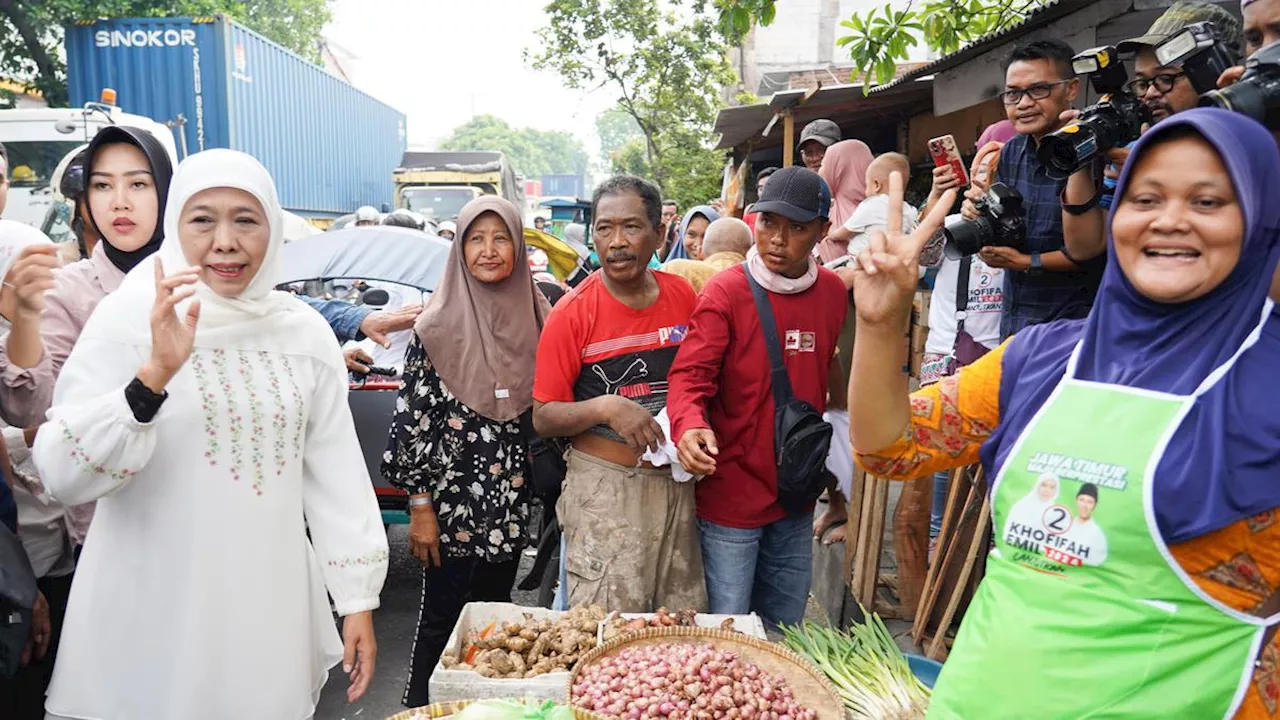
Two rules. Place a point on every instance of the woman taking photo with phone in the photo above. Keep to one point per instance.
(1146, 586)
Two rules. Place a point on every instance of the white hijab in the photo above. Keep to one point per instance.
(261, 317)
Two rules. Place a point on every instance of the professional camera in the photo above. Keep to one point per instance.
(1258, 92)
(1198, 49)
(1114, 121)
(1001, 222)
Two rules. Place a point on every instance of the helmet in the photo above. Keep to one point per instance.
(68, 178)
(367, 213)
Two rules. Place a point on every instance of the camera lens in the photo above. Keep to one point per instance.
(1065, 152)
(967, 237)
(1245, 98)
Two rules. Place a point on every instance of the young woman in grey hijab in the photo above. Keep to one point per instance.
(456, 442)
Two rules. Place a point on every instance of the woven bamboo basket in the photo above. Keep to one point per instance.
(439, 711)
(809, 685)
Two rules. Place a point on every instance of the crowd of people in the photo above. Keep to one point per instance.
(183, 473)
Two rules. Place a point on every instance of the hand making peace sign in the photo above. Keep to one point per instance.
(887, 270)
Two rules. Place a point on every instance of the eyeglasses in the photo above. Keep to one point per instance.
(1162, 83)
(1039, 91)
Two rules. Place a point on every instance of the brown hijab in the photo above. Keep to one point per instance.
(482, 338)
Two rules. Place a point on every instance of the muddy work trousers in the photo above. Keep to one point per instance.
(631, 538)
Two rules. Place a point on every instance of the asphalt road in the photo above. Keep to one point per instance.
(396, 622)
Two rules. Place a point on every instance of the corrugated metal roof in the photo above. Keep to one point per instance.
(844, 104)
(1048, 12)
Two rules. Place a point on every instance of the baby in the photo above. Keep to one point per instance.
(873, 212)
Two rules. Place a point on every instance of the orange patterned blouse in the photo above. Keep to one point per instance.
(1238, 565)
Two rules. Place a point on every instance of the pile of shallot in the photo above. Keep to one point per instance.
(684, 681)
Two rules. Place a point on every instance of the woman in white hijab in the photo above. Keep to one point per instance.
(208, 415)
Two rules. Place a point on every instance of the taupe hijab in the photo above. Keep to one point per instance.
(482, 338)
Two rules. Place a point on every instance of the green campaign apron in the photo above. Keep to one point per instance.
(1083, 612)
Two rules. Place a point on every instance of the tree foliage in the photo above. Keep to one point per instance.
(737, 17)
(666, 62)
(31, 30)
(534, 153)
(616, 129)
(881, 37)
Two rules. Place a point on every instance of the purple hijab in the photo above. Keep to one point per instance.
(1224, 460)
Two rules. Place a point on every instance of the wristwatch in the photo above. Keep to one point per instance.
(1036, 266)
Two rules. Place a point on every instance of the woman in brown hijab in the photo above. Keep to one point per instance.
(456, 443)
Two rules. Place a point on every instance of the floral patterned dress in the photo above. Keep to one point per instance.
(474, 468)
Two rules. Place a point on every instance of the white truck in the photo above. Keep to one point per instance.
(37, 140)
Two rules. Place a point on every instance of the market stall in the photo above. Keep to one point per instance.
(507, 661)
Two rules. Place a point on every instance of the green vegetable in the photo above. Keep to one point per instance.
(869, 671)
(514, 710)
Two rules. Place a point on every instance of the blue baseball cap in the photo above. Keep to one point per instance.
(796, 193)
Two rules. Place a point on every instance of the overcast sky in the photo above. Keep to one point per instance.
(442, 61)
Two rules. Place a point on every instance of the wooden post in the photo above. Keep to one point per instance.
(788, 139)
(911, 541)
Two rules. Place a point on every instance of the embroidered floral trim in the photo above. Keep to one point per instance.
(255, 420)
(233, 412)
(378, 557)
(298, 423)
(278, 422)
(85, 462)
(1241, 572)
(209, 406)
(1262, 521)
(1266, 677)
(937, 432)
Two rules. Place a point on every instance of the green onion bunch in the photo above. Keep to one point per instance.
(869, 671)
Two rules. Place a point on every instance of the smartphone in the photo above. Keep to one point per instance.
(944, 152)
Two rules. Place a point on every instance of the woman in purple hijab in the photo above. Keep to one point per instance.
(1134, 455)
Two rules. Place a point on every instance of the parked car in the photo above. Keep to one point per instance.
(384, 254)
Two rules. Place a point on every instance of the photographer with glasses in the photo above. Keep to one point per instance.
(1043, 283)
(1165, 90)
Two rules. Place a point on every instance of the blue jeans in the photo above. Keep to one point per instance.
(763, 570)
(941, 480)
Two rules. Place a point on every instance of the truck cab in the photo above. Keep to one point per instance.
(37, 140)
(439, 184)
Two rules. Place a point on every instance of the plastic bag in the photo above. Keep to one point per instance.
(515, 710)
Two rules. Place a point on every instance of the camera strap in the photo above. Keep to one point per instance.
(1097, 195)
(962, 291)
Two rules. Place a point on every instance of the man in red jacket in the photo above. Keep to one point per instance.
(756, 556)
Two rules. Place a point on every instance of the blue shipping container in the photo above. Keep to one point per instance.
(563, 186)
(330, 147)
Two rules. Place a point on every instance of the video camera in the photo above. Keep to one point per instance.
(1198, 49)
(1114, 121)
(1001, 222)
(1257, 95)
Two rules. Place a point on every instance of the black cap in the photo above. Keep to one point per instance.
(795, 193)
(823, 131)
(1088, 489)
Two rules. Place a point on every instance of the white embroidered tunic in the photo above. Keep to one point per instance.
(198, 594)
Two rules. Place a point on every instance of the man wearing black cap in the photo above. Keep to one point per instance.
(757, 556)
(816, 137)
